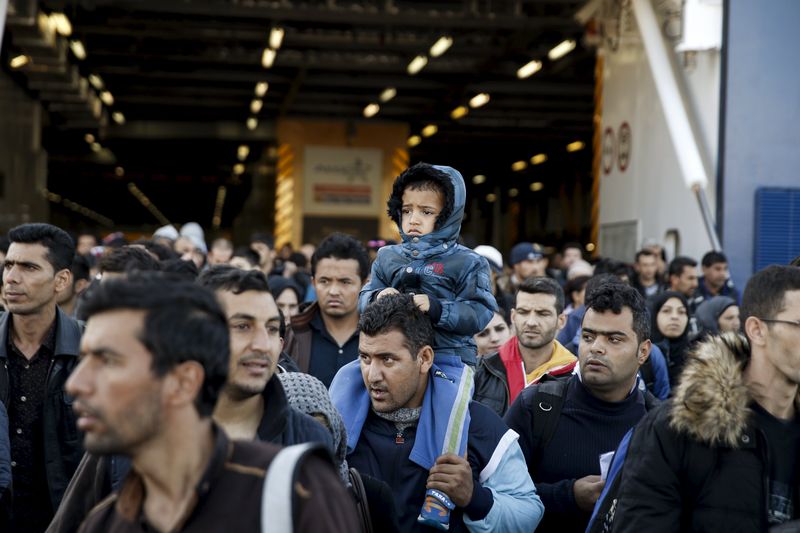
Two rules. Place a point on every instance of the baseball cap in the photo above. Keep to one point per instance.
(492, 255)
(524, 251)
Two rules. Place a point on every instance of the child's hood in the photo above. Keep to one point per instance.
(450, 228)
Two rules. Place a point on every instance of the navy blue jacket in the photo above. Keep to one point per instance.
(455, 278)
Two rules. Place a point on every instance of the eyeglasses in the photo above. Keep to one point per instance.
(776, 321)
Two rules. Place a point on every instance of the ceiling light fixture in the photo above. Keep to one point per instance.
(430, 130)
(61, 23)
(256, 105)
(414, 140)
(119, 172)
(268, 57)
(513, 193)
(491, 197)
(78, 50)
(89, 138)
(417, 64)
(561, 49)
(387, 94)
(118, 117)
(538, 159)
(441, 46)
(479, 100)
(242, 152)
(478, 179)
(519, 166)
(371, 110)
(252, 123)
(107, 98)
(261, 88)
(575, 146)
(96, 81)
(537, 186)
(95, 146)
(276, 38)
(529, 69)
(238, 169)
(459, 112)
(19, 61)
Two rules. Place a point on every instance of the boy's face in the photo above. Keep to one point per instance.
(420, 210)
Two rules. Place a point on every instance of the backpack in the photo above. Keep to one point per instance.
(277, 511)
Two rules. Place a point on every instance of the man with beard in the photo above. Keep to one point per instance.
(325, 335)
(590, 413)
(154, 360)
(533, 353)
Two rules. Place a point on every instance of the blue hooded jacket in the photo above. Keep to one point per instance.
(455, 278)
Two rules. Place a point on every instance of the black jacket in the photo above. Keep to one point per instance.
(491, 384)
(63, 444)
(696, 463)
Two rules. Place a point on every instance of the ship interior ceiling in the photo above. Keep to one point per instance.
(183, 77)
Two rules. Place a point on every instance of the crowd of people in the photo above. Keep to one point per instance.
(166, 384)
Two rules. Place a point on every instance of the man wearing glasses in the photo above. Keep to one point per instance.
(724, 453)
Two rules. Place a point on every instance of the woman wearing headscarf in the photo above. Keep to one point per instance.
(669, 314)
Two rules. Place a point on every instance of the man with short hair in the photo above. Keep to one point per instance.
(682, 275)
(126, 259)
(81, 279)
(86, 241)
(264, 245)
(325, 335)
(489, 489)
(571, 253)
(646, 279)
(154, 360)
(715, 280)
(595, 408)
(532, 353)
(221, 252)
(722, 455)
(39, 348)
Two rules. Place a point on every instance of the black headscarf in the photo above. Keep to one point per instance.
(674, 349)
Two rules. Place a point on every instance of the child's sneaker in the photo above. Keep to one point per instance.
(436, 510)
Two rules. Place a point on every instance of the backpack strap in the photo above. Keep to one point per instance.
(277, 512)
(548, 401)
(362, 501)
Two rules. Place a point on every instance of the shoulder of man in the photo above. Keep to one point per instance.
(301, 321)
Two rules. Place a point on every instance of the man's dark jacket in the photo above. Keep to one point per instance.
(98, 476)
(63, 444)
(696, 463)
(491, 384)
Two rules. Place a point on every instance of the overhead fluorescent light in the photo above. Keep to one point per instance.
(78, 50)
(414, 140)
(537, 186)
(441, 46)
(107, 98)
(429, 130)
(261, 88)
(561, 49)
(478, 179)
(538, 159)
(242, 152)
(479, 100)
(387, 94)
(276, 38)
(252, 123)
(371, 110)
(256, 105)
(238, 169)
(575, 146)
(268, 57)
(19, 61)
(529, 69)
(61, 23)
(96, 81)
(417, 64)
(519, 166)
(459, 112)
(118, 117)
